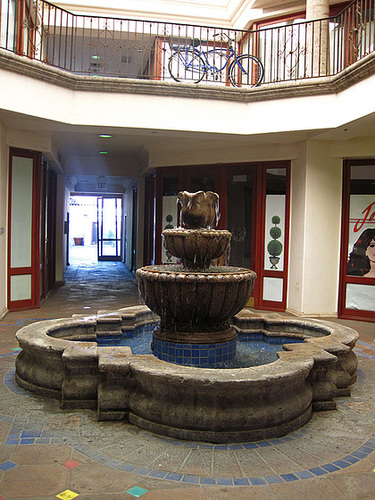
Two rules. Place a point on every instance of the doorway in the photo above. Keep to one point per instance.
(31, 222)
(95, 228)
(254, 206)
(109, 224)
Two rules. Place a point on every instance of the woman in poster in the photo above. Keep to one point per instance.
(362, 258)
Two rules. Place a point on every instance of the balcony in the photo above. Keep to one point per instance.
(313, 54)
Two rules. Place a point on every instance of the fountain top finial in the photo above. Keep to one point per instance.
(199, 210)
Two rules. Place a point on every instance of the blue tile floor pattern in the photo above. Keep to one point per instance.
(22, 433)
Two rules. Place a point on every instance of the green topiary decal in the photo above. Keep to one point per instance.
(274, 247)
(275, 233)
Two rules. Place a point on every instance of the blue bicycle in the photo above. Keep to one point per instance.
(188, 63)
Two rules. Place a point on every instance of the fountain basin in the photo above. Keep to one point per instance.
(61, 359)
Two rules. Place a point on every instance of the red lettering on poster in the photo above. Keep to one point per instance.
(367, 217)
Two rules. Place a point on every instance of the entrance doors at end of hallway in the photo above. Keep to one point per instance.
(96, 228)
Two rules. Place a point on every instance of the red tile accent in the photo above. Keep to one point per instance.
(69, 464)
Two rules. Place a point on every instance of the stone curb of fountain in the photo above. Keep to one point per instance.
(19, 434)
(57, 353)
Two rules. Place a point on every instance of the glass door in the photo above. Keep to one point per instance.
(24, 230)
(273, 221)
(357, 273)
(240, 217)
(109, 210)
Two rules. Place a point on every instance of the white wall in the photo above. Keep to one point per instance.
(62, 205)
(128, 211)
(315, 231)
(297, 230)
(3, 221)
(198, 154)
(21, 94)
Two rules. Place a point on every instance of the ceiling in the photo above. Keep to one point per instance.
(77, 147)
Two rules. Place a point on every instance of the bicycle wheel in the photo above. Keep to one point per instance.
(186, 66)
(245, 70)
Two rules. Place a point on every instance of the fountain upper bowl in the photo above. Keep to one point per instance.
(196, 248)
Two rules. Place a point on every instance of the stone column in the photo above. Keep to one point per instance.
(317, 9)
(317, 37)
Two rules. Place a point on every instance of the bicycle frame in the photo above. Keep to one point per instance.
(185, 54)
(220, 55)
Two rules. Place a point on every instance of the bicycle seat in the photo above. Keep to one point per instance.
(195, 42)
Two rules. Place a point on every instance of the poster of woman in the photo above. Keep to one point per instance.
(362, 258)
(361, 253)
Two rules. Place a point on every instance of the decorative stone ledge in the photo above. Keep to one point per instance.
(356, 72)
(184, 402)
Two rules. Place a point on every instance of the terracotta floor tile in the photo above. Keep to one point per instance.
(29, 481)
(41, 454)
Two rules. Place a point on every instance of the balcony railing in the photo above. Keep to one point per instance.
(130, 48)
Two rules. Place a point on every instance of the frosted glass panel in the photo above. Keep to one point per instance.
(360, 297)
(273, 289)
(274, 232)
(21, 211)
(20, 287)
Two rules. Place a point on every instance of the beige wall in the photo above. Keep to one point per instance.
(128, 211)
(297, 230)
(21, 94)
(315, 230)
(3, 221)
(62, 206)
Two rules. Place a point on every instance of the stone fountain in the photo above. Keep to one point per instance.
(194, 299)
(181, 390)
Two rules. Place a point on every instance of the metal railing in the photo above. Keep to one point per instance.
(130, 48)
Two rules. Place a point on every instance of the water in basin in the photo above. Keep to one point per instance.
(253, 350)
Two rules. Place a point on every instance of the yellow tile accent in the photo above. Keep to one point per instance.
(67, 495)
(250, 302)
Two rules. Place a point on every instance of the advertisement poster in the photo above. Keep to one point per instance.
(361, 252)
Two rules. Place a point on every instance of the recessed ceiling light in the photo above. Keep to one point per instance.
(103, 152)
(105, 136)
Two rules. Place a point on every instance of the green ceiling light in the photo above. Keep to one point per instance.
(103, 152)
(95, 57)
(105, 136)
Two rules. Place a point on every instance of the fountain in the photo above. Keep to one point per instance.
(180, 390)
(194, 299)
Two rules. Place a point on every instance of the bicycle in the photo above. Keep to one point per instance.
(188, 63)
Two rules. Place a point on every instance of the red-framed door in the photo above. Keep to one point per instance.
(357, 264)
(251, 195)
(272, 247)
(24, 229)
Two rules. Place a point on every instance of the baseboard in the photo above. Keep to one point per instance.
(3, 313)
(311, 315)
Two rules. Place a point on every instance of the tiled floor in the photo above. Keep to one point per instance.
(49, 453)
